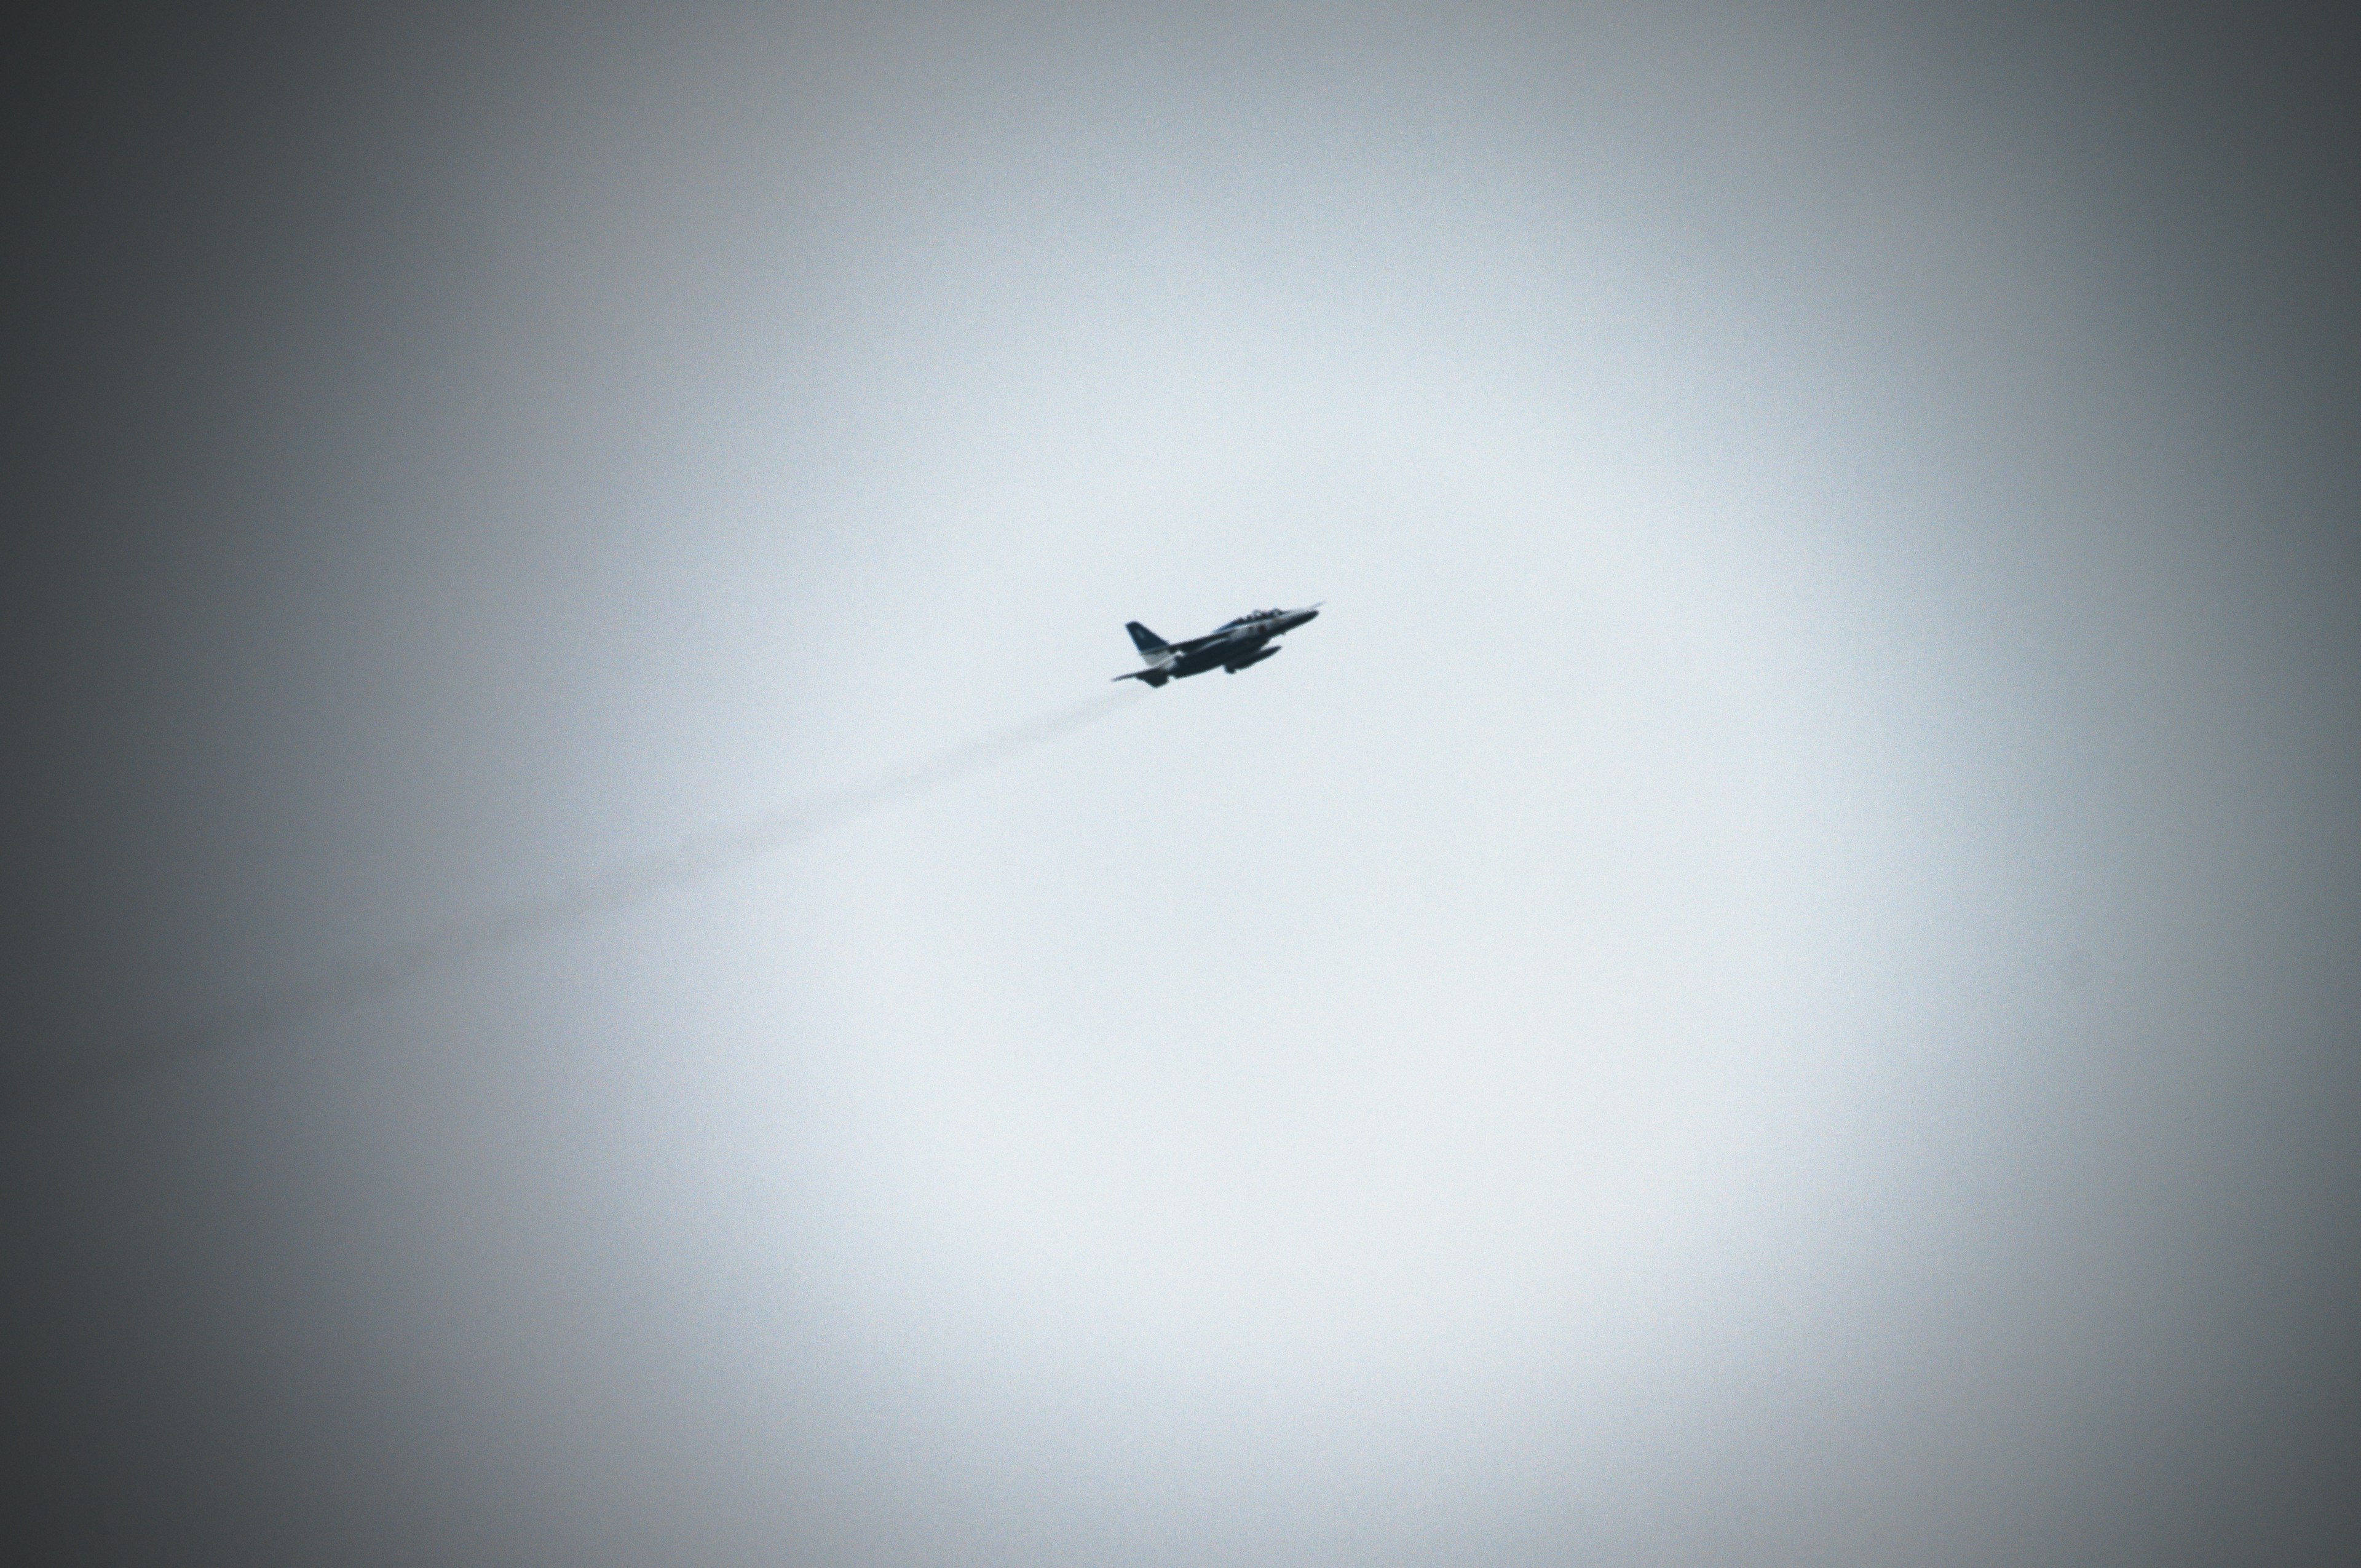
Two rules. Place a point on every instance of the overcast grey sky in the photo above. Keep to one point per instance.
(1773, 982)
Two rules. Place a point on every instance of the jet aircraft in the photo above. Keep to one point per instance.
(1232, 646)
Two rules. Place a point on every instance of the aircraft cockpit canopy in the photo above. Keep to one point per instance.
(1252, 616)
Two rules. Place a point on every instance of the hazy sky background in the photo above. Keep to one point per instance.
(1774, 983)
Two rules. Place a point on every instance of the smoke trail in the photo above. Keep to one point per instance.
(619, 887)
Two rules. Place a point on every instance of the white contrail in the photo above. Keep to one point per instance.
(635, 882)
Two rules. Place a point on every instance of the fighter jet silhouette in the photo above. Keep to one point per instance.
(1232, 646)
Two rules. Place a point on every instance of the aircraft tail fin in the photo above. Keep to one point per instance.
(1157, 653)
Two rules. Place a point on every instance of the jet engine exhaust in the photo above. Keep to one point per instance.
(464, 941)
